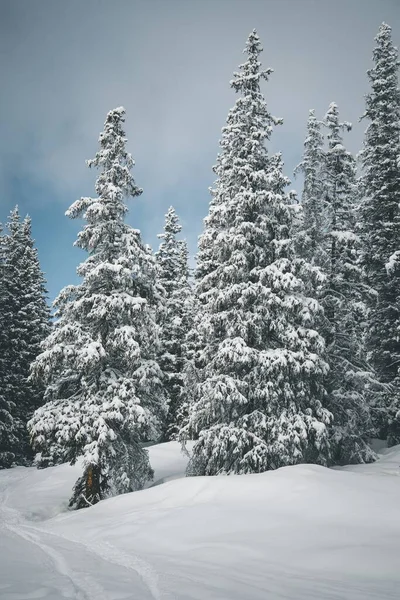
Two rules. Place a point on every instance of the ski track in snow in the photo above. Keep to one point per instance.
(110, 554)
(86, 588)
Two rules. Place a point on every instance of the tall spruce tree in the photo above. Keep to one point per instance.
(103, 385)
(25, 323)
(13, 376)
(380, 219)
(8, 437)
(259, 402)
(35, 312)
(188, 347)
(173, 275)
(350, 380)
(310, 234)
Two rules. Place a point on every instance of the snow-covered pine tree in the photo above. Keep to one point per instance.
(25, 317)
(259, 402)
(380, 221)
(12, 377)
(188, 345)
(35, 312)
(310, 234)
(191, 366)
(342, 295)
(8, 438)
(173, 275)
(104, 394)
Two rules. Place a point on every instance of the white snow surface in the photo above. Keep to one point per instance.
(298, 533)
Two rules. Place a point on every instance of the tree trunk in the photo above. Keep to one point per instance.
(87, 490)
(92, 484)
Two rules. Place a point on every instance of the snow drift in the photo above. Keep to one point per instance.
(297, 533)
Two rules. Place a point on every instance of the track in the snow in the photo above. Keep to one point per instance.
(86, 588)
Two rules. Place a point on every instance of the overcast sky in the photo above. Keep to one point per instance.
(65, 64)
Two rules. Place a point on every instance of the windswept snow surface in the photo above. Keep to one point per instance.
(298, 533)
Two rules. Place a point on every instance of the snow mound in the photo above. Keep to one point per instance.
(298, 533)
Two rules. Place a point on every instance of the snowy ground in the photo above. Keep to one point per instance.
(299, 533)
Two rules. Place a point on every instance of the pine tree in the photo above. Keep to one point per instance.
(191, 366)
(259, 402)
(310, 238)
(103, 386)
(14, 342)
(8, 437)
(25, 323)
(380, 218)
(188, 342)
(342, 295)
(173, 275)
(35, 312)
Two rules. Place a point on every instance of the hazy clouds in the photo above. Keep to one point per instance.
(64, 64)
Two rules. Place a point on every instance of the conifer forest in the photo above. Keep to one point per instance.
(276, 346)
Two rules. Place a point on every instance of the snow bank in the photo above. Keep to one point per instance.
(298, 533)
(39, 494)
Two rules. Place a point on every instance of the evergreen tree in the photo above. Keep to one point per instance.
(191, 365)
(12, 377)
(342, 295)
(173, 275)
(259, 401)
(189, 346)
(103, 386)
(8, 437)
(25, 323)
(310, 230)
(35, 312)
(380, 218)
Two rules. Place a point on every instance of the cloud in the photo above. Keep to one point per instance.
(64, 65)
(67, 63)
